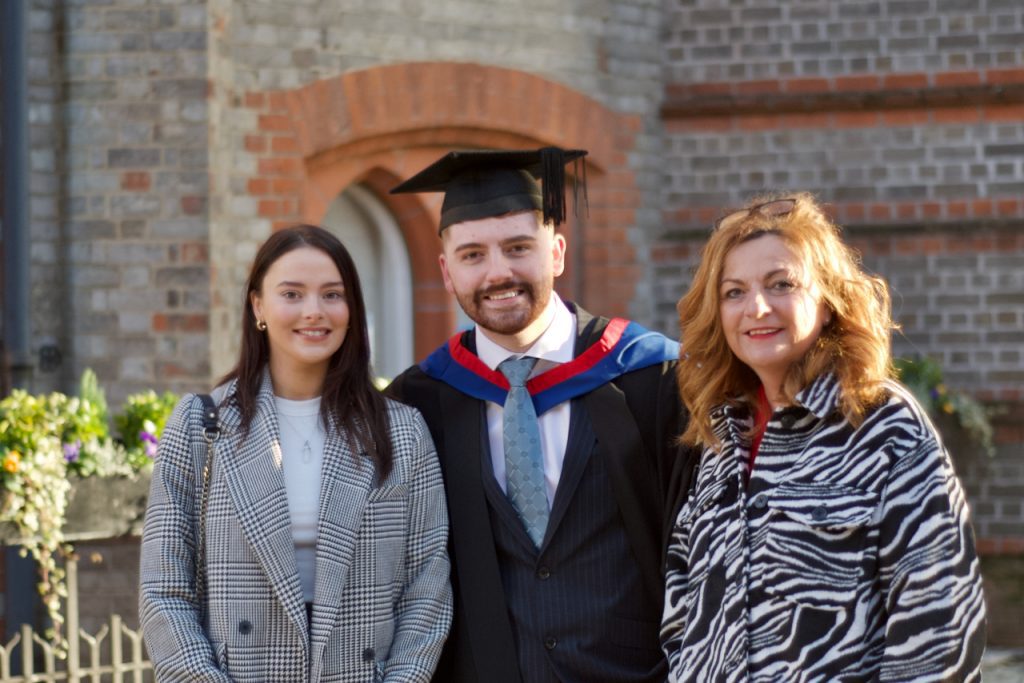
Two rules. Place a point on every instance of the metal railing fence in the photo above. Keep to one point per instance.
(107, 660)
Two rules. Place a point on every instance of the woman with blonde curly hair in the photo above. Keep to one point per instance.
(825, 536)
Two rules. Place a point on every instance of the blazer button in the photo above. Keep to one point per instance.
(550, 643)
(543, 573)
(788, 420)
(819, 513)
(245, 627)
(369, 655)
(760, 501)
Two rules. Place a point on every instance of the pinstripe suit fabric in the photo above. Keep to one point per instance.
(849, 557)
(382, 603)
(578, 606)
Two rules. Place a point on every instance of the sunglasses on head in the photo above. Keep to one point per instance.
(776, 208)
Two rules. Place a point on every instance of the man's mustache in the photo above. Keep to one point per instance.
(502, 287)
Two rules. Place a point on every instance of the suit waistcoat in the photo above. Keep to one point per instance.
(578, 607)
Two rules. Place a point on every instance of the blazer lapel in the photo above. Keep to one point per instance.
(252, 470)
(345, 483)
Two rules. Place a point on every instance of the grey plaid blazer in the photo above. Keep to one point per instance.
(382, 596)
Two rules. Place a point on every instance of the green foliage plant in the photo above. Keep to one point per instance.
(43, 440)
(924, 378)
(141, 423)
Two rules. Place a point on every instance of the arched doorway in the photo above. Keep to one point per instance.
(372, 236)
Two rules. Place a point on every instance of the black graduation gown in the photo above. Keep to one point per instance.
(637, 418)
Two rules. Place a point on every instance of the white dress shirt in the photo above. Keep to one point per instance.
(553, 347)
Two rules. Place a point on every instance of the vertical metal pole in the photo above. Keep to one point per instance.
(116, 651)
(14, 168)
(72, 624)
(16, 171)
(28, 647)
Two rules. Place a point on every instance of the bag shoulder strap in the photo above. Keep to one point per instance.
(211, 430)
(210, 424)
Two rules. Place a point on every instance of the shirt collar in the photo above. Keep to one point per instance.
(821, 396)
(555, 344)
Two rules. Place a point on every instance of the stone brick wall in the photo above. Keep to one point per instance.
(46, 144)
(707, 41)
(108, 582)
(136, 229)
(119, 192)
(904, 115)
(906, 118)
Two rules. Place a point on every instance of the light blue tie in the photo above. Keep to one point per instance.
(524, 466)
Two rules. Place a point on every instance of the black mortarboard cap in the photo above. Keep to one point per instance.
(488, 182)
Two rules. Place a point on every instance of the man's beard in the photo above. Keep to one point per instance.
(534, 299)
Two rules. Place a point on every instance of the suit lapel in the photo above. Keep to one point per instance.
(252, 470)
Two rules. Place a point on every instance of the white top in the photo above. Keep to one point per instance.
(553, 347)
(302, 454)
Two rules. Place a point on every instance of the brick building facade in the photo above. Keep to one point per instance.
(169, 137)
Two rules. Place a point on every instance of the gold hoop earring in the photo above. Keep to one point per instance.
(261, 325)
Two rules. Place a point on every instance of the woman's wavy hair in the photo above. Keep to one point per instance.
(854, 344)
(350, 402)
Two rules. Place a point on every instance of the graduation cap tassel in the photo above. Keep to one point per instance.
(576, 183)
(552, 160)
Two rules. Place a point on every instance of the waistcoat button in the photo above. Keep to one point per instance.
(550, 643)
(761, 501)
(819, 513)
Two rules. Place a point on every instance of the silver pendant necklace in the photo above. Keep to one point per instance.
(307, 450)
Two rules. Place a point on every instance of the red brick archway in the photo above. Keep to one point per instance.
(380, 125)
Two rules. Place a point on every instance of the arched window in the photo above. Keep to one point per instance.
(370, 233)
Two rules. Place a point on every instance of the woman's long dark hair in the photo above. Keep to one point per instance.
(350, 401)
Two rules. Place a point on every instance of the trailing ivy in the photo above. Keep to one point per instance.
(43, 439)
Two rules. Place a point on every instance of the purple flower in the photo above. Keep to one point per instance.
(71, 451)
(150, 443)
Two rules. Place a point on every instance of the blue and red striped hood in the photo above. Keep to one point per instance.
(624, 346)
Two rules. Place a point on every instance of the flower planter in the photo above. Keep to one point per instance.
(99, 507)
(106, 507)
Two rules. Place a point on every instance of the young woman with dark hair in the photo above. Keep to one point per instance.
(315, 550)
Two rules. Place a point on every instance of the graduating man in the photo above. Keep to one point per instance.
(556, 433)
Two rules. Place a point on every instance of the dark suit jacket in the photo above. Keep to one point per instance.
(636, 417)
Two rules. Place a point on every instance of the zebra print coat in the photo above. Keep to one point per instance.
(847, 557)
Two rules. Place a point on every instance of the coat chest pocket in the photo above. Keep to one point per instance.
(815, 543)
(385, 527)
(701, 528)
